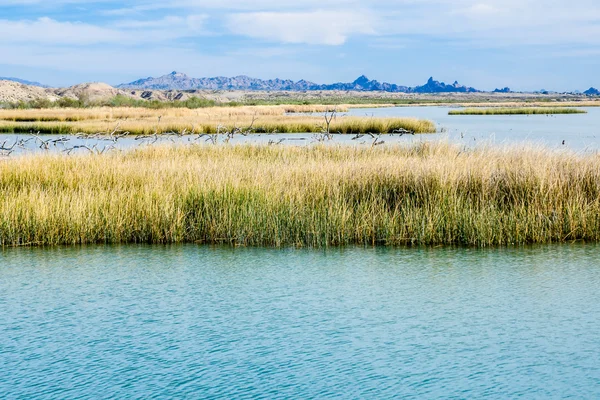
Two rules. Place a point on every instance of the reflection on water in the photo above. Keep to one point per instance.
(206, 322)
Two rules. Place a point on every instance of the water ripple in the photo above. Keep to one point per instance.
(204, 322)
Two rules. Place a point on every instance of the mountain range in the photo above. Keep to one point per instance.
(180, 81)
(177, 81)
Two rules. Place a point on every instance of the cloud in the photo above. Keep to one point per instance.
(325, 27)
(479, 10)
(239, 36)
(329, 22)
(191, 22)
(45, 30)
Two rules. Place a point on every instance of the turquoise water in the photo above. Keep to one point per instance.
(203, 322)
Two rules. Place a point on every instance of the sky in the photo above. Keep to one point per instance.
(523, 44)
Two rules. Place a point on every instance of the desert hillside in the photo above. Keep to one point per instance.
(11, 92)
(14, 91)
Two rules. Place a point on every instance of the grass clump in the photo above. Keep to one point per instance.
(426, 194)
(263, 119)
(517, 111)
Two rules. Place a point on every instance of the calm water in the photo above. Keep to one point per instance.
(202, 322)
(580, 132)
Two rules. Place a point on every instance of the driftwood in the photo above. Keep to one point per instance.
(326, 133)
(223, 135)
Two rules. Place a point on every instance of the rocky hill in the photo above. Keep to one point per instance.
(440, 87)
(180, 81)
(11, 91)
(592, 92)
(90, 91)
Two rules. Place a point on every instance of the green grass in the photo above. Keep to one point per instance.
(517, 111)
(318, 196)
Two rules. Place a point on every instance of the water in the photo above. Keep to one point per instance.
(579, 132)
(210, 322)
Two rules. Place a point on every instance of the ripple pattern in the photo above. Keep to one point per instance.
(143, 322)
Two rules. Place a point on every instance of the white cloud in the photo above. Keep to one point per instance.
(479, 10)
(191, 22)
(331, 22)
(326, 27)
(48, 31)
(91, 34)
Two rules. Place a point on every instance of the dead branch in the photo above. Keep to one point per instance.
(402, 131)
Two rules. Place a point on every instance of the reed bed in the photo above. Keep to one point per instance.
(207, 123)
(317, 196)
(517, 111)
(143, 121)
(114, 113)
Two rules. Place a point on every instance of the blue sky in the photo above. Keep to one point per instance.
(524, 44)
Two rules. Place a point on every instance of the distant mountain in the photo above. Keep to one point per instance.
(592, 92)
(179, 81)
(23, 81)
(503, 90)
(362, 83)
(440, 87)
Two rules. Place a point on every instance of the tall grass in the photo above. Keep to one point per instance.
(302, 196)
(114, 113)
(517, 111)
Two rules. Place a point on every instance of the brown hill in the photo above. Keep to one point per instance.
(90, 91)
(13, 91)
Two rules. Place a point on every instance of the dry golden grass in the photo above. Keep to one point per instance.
(203, 120)
(136, 113)
(300, 108)
(302, 196)
(114, 113)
